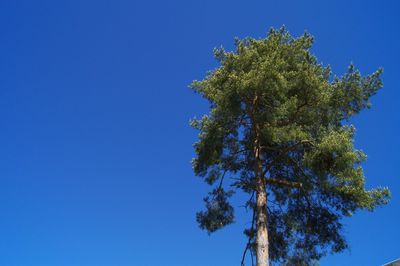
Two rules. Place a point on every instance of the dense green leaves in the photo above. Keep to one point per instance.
(313, 172)
(218, 211)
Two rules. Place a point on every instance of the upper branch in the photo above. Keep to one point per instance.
(285, 151)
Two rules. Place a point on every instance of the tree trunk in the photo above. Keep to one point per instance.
(262, 253)
(261, 224)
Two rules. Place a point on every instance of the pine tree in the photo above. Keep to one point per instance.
(279, 130)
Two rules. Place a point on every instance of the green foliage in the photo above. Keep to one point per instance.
(300, 107)
(219, 212)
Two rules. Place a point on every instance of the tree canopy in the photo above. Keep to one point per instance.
(275, 94)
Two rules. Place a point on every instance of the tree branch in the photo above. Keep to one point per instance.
(248, 245)
(284, 151)
(222, 180)
(280, 182)
(294, 116)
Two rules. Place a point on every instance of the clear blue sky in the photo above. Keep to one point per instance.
(95, 146)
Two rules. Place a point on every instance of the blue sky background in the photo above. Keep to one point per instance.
(95, 146)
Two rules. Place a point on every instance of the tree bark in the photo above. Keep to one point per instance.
(262, 252)
(262, 229)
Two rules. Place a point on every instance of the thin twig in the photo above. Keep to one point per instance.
(248, 245)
